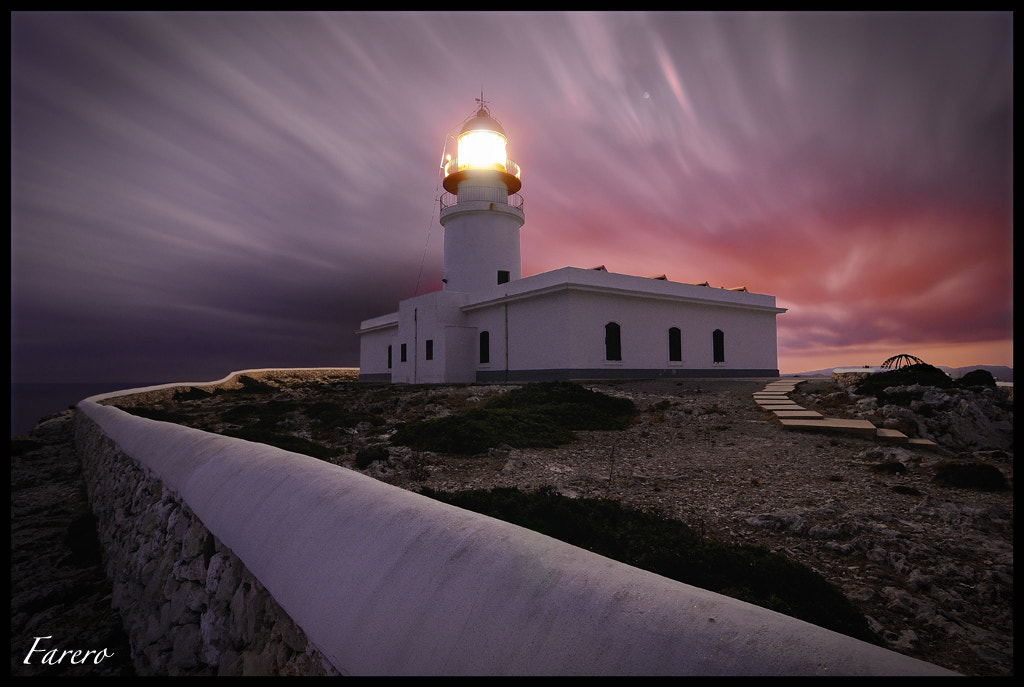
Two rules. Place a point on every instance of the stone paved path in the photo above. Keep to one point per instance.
(774, 398)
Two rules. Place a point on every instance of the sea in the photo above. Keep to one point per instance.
(34, 401)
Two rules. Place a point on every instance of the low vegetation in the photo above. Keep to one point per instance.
(970, 474)
(921, 374)
(669, 548)
(539, 415)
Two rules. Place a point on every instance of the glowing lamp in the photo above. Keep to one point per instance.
(480, 149)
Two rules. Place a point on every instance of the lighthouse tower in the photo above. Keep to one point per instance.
(482, 210)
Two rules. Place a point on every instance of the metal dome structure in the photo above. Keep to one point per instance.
(902, 360)
(482, 121)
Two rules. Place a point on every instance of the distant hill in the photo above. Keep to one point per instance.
(1002, 373)
(827, 372)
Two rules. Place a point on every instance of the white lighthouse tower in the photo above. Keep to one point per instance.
(482, 210)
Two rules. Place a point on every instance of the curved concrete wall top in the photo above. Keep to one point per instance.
(385, 581)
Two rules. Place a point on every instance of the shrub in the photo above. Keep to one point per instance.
(285, 442)
(569, 404)
(889, 467)
(977, 378)
(481, 429)
(921, 373)
(669, 548)
(902, 489)
(967, 474)
(254, 385)
(540, 415)
(338, 415)
(267, 412)
(190, 393)
(369, 455)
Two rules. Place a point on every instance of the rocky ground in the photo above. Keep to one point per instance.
(58, 587)
(930, 565)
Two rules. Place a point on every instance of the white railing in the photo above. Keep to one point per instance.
(484, 193)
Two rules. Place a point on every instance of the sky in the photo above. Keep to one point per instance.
(198, 193)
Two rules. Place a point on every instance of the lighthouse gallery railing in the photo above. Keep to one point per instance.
(485, 193)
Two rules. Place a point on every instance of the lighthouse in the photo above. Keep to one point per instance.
(481, 209)
(488, 323)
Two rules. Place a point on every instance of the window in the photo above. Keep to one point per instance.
(430, 349)
(402, 354)
(389, 357)
(612, 342)
(675, 345)
(718, 344)
(503, 276)
(485, 347)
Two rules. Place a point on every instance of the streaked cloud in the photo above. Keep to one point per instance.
(219, 177)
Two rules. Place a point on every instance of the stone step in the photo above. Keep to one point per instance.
(798, 414)
(779, 405)
(922, 443)
(856, 427)
(892, 436)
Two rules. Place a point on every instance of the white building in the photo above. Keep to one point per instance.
(488, 323)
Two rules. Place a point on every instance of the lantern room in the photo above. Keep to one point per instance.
(481, 151)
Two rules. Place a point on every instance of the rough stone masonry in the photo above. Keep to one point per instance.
(190, 605)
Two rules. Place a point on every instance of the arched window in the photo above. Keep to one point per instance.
(718, 344)
(675, 345)
(485, 347)
(612, 342)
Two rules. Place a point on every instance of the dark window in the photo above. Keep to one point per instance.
(503, 276)
(718, 343)
(675, 344)
(612, 342)
(389, 357)
(485, 347)
(430, 349)
(402, 354)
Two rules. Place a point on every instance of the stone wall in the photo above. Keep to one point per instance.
(189, 605)
(851, 376)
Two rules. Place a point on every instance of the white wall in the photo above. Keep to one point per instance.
(431, 317)
(373, 350)
(565, 329)
(480, 238)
